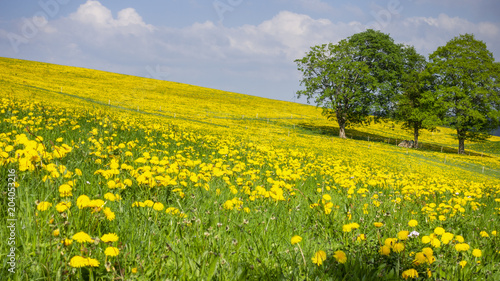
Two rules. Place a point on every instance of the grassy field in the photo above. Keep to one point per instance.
(126, 178)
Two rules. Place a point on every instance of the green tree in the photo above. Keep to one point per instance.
(466, 81)
(416, 106)
(352, 79)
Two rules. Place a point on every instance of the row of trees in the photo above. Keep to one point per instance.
(369, 77)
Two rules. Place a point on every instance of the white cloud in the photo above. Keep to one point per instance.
(94, 13)
(287, 35)
(427, 33)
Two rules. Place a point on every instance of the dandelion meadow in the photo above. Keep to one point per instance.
(126, 178)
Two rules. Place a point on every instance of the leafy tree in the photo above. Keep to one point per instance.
(352, 79)
(466, 81)
(385, 61)
(415, 104)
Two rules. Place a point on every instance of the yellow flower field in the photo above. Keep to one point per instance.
(121, 177)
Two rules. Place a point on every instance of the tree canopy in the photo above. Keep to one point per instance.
(466, 81)
(415, 103)
(352, 79)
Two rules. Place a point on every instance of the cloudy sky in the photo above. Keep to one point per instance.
(242, 46)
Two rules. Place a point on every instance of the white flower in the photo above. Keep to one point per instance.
(413, 234)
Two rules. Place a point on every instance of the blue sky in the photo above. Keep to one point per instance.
(236, 45)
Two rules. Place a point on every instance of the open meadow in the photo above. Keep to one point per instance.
(126, 178)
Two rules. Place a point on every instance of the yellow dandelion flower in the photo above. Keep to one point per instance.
(42, 206)
(403, 235)
(354, 225)
(82, 201)
(110, 196)
(111, 251)
(435, 243)
(428, 252)
(484, 234)
(398, 247)
(110, 215)
(477, 253)
(78, 261)
(67, 242)
(361, 237)
(426, 239)
(385, 250)
(296, 239)
(346, 228)
(109, 237)
(378, 224)
(56, 232)
(462, 247)
(420, 258)
(96, 203)
(463, 263)
(127, 182)
(349, 227)
(439, 231)
(447, 237)
(82, 237)
(158, 206)
(111, 184)
(172, 210)
(319, 257)
(412, 223)
(65, 190)
(389, 242)
(340, 256)
(63, 206)
(410, 273)
(92, 262)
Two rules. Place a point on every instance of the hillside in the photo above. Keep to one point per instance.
(202, 183)
(216, 109)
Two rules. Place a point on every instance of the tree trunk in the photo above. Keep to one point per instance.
(461, 134)
(342, 131)
(415, 135)
(461, 145)
(341, 122)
